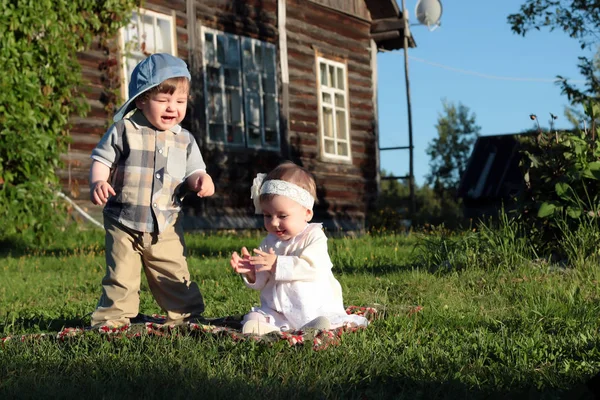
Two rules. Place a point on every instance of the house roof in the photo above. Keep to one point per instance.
(387, 25)
(493, 171)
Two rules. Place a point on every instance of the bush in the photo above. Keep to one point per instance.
(41, 77)
(392, 209)
(561, 171)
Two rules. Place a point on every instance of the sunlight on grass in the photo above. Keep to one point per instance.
(457, 319)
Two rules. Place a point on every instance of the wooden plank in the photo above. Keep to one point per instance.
(380, 37)
(355, 8)
(387, 24)
(382, 8)
(321, 28)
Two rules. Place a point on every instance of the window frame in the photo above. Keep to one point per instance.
(332, 92)
(137, 53)
(243, 91)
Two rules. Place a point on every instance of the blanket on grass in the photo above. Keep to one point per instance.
(221, 327)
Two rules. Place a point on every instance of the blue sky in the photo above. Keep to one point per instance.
(474, 36)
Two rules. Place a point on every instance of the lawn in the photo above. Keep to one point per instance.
(454, 321)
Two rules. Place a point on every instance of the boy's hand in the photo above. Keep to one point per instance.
(264, 261)
(201, 183)
(241, 265)
(100, 192)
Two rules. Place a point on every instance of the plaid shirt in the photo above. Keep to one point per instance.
(147, 168)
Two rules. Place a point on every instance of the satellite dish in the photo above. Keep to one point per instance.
(429, 13)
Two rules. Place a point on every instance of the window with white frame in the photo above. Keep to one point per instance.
(333, 111)
(240, 89)
(147, 33)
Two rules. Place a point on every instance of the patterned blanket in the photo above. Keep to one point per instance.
(225, 327)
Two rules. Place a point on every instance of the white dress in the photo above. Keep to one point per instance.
(303, 286)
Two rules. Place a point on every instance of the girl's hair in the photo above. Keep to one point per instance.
(167, 86)
(290, 172)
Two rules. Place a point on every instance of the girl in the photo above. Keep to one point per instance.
(291, 267)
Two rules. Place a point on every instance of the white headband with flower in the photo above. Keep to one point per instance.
(281, 188)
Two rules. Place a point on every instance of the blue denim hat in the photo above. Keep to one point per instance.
(149, 73)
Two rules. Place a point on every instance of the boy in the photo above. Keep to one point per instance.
(146, 156)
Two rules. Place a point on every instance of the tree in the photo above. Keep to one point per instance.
(580, 19)
(392, 208)
(449, 152)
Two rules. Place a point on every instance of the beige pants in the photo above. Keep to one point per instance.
(163, 258)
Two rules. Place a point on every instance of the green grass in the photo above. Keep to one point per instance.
(457, 320)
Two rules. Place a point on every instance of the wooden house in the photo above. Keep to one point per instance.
(272, 80)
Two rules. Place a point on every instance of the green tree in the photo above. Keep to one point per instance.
(580, 19)
(449, 152)
(393, 207)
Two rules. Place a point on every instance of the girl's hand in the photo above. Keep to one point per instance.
(101, 191)
(264, 261)
(241, 265)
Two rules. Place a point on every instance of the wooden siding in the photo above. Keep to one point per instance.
(313, 28)
(251, 18)
(346, 190)
(356, 8)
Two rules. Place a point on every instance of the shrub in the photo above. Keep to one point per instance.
(392, 209)
(561, 171)
(40, 82)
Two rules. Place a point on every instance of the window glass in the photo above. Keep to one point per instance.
(147, 33)
(148, 36)
(221, 46)
(270, 120)
(232, 77)
(269, 61)
(341, 124)
(235, 134)
(214, 77)
(329, 146)
(234, 107)
(331, 76)
(340, 101)
(269, 84)
(248, 57)
(252, 82)
(334, 129)
(340, 79)
(241, 78)
(328, 122)
(323, 72)
(215, 109)
(209, 49)
(342, 148)
(233, 53)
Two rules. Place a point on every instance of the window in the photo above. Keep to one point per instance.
(240, 90)
(333, 110)
(147, 33)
